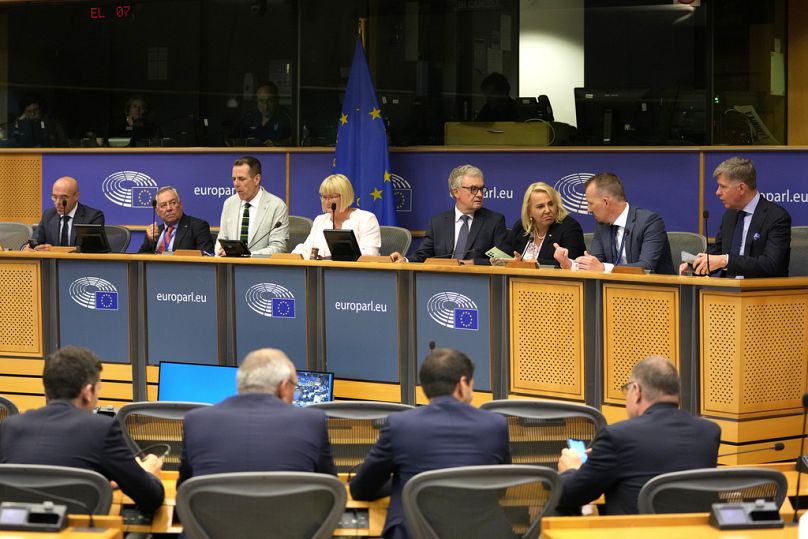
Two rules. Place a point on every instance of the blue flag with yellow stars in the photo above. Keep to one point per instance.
(362, 143)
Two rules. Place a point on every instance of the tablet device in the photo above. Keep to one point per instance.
(343, 245)
(91, 239)
(234, 248)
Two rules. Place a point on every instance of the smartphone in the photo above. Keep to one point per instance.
(579, 447)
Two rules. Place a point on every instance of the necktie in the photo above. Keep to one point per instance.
(737, 235)
(462, 239)
(245, 223)
(166, 240)
(65, 237)
(615, 247)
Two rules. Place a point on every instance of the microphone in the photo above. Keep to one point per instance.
(706, 215)
(333, 216)
(779, 446)
(51, 496)
(154, 220)
(529, 241)
(802, 461)
(265, 234)
(432, 345)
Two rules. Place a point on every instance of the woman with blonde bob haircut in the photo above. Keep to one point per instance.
(337, 197)
(544, 224)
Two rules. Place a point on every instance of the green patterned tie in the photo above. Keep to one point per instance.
(245, 223)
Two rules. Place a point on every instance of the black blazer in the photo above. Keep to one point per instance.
(192, 233)
(568, 233)
(627, 454)
(646, 242)
(60, 434)
(767, 249)
(487, 230)
(48, 229)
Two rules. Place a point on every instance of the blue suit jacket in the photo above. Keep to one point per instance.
(192, 233)
(445, 434)
(767, 249)
(60, 434)
(48, 229)
(627, 454)
(254, 432)
(487, 230)
(646, 242)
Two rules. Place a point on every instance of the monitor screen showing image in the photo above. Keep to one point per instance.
(314, 387)
(192, 382)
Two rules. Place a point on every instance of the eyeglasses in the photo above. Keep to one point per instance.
(474, 189)
(625, 387)
(170, 203)
(54, 198)
(329, 197)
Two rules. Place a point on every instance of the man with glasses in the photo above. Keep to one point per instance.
(468, 230)
(755, 235)
(657, 438)
(56, 225)
(257, 430)
(179, 230)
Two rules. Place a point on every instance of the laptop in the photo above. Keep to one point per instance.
(313, 387)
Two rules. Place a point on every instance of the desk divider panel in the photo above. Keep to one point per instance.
(21, 308)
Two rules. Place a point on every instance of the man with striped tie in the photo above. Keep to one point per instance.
(253, 214)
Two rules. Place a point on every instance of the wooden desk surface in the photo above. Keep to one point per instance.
(106, 527)
(164, 520)
(692, 525)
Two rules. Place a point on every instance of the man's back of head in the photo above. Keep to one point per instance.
(447, 372)
(654, 379)
(267, 370)
(68, 371)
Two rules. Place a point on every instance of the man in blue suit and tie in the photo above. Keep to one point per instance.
(257, 430)
(447, 433)
(625, 235)
(56, 226)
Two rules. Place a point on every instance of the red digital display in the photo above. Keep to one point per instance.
(110, 12)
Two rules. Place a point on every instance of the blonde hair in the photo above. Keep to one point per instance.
(541, 187)
(338, 184)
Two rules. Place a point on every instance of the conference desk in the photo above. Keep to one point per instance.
(741, 345)
(106, 527)
(166, 520)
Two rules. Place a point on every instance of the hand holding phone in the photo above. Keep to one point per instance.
(579, 447)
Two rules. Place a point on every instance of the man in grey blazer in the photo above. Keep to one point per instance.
(253, 214)
(624, 234)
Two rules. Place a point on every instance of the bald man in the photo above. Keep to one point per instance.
(56, 226)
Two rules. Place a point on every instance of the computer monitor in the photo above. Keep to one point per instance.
(91, 238)
(194, 382)
(342, 244)
(313, 387)
(607, 117)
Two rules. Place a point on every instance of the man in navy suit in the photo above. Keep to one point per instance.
(66, 212)
(468, 230)
(257, 430)
(624, 234)
(179, 230)
(449, 432)
(657, 438)
(66, 432)
(755, 235)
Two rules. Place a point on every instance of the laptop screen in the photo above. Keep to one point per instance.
(314, 387)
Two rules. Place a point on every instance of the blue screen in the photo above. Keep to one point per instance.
(190, 382)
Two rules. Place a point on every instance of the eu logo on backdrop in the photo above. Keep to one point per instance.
(283, 308)
(453, 310)
(466, 319)
(271, 300)
(94, 293)
(130, 189)
(106, 301)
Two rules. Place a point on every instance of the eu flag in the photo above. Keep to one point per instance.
(106, 301)
(142, 196)
(466, 319)
(362, 143)
(283, 308)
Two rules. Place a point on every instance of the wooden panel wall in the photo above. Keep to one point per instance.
(21, 188)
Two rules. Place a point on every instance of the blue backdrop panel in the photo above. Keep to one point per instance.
(308, 170)
(652, 181)
(782, 177)
(454, 311)
(94, 307)
(181, 313)
(271, 311)
(361, 324)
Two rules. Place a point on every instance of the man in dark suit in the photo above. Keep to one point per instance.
(67, 433)
(257, 430)
(449, 432)
(624, 235)
(755, 235)
(657, 438)
(56, 225)
(468, 230)
(179, 230)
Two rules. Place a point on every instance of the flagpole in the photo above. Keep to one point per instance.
(362, 31)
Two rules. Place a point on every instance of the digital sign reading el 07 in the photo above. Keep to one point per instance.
(111, 12)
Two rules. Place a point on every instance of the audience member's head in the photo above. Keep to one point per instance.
(136, 110)
(267, 370)
(72, 373)
(266, 98)
(654, 379)
(32, 107)
(447, 372)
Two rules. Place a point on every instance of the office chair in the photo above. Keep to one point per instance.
(14, 235)
(118, 237)
(7, 408)
(480, 502)
(145, 424)
(353, 428)
(694, 491)
(299, 228)
(395, 239)
(798, 263)
(588, 239)
(538, 430)
(91, 491)
(261, 504)
(685, 241)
